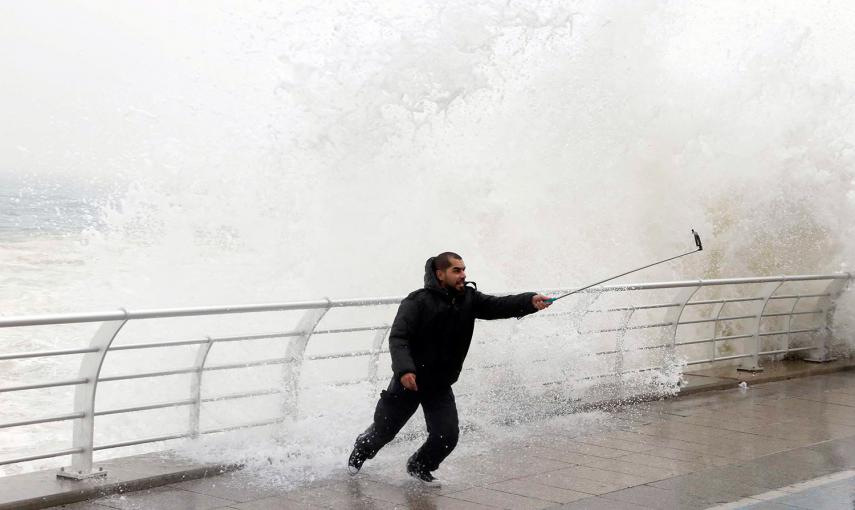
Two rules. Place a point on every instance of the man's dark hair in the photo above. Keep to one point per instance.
(443, 260)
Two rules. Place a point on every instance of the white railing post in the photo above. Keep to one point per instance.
(823, 354)
(752, 364)
(619, 347)
(673, 314)
(790, 321)
(294, 354)
(84, 402)
(196, 386)
(717, 313)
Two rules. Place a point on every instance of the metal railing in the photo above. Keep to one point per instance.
(744, 317)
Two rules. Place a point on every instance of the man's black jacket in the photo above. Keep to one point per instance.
(433, 328)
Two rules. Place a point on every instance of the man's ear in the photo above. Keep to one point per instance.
(437, 273)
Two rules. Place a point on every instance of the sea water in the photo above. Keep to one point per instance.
(162, 155)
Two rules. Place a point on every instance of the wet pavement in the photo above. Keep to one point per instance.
(780, 445)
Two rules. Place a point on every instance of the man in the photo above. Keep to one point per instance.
(428, 343)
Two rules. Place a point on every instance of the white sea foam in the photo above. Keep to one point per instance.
(307, 150)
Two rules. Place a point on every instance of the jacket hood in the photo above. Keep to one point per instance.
(430, 276)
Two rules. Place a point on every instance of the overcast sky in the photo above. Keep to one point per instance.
(88, 87)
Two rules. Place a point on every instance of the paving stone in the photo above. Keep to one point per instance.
(590, 449)
(654, 497)
(811, 434)
(531, 489)
(616, 444)
(239, 487)
(443, 503)
(771, 505)
(163, 499)
(664, 463)
(460, 477)
(280, 503)
(599, 503)
(710, 486)
(360, 489)
(725, 419)
(821, 497)
(335, 495)
(603, 476)
(498, 499)
(621, 466)
(706, 459)
(783, 469)
(448, 503)
(690, 446)
(566, 457)
(574, 483)
(834, 397)
(842, 449)
(511, 466)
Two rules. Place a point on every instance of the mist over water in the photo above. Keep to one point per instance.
(293, 152)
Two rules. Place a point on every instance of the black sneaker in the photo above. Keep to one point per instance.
(423, 476)
(354, 462)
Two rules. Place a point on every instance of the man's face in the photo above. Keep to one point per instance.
(454, 277)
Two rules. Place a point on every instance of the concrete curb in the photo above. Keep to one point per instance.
(43, 489)
(729, 377)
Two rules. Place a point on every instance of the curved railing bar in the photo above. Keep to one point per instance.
(73, 318)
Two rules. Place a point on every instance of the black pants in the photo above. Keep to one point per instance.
(396, 405)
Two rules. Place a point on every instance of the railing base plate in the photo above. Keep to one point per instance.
(750, 369)
(80, 475)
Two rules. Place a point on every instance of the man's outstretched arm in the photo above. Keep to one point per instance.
(504, 307)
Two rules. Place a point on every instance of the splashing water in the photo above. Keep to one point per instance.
(292, 152)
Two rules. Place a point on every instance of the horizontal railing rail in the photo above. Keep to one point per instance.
(672, 319)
